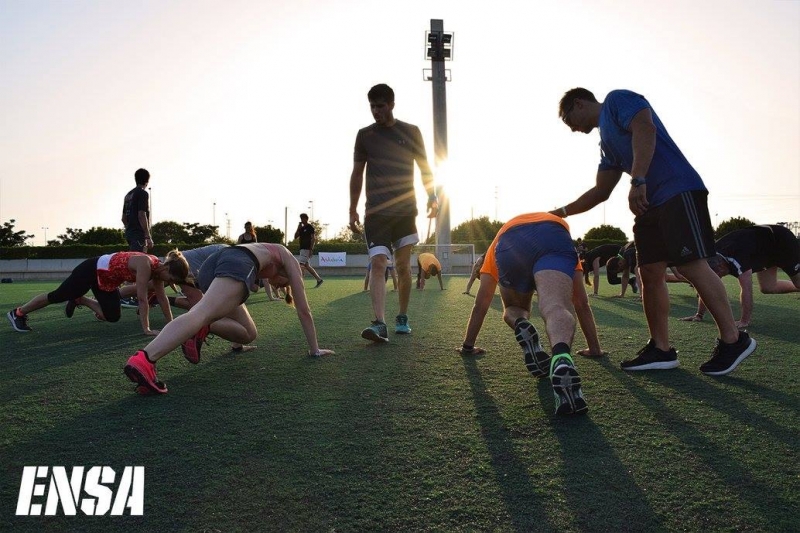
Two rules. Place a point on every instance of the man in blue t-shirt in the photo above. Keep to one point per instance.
(672, 225)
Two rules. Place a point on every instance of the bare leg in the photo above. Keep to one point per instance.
(377, 287)
(555, 305)
(402, 262)
(655, 300)
(711, 289)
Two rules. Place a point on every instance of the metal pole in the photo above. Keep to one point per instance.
(438, 84)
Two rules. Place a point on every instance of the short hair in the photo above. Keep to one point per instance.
(381, 92)
(569, 98)
(303, 216)
(434, 270)
(142, 177)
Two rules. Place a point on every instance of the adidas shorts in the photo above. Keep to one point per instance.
(678, 231)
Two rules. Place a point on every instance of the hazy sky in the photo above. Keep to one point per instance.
(254, 104)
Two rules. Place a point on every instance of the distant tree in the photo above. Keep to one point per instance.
(102, 236)
(169, 232)
(475, 230)
(72, 236)
(346, 235)
(9, 237)
(732, 224)
(203, 234)
(605, 232)
(268, 234)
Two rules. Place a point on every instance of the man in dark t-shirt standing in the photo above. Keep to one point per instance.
(308, 236)
(136, 214)
(388, 150)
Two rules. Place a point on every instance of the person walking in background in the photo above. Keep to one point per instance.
(225, 279)
(672, 224)
(624, 262)
(308, 237)
(593, 259)
(103, 275)
(534, 252)
(760, 249)
(387, 150)
(136, 214)
(249, 234)
(476, 272)
(427, 266)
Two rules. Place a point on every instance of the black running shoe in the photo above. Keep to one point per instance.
(19, 323)
(634, 285)
(537, 361)
(567, 390)
(651, 358)
(376, 332)
(726, 357)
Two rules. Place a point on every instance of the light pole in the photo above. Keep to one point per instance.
(439, 48)
(150, 190)
(45, 228)
(214, 215)
(311, 208)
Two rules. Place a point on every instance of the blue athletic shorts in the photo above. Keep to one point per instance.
(524, 250)
(236, 263)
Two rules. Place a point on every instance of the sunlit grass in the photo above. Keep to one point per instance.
(408, 435)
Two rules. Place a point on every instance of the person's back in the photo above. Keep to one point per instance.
(136, 214)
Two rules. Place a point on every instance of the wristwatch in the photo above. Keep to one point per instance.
(638, 181)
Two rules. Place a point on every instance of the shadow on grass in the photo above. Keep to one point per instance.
(595, 480)
(761, 497)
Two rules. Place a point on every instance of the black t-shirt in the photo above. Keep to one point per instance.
(306, 233)
(760, 247)
(604, 252)
(390, 153)
(628, 253)
(136, 200)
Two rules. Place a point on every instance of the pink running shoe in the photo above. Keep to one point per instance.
(143, 372)
(191, 347)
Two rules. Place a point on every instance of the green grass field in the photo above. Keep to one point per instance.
(408, 436)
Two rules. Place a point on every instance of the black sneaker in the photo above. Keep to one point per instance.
(726, 357)
(319, 282)
(567, 389)
(376, 332)
(634, 285)
(130, 303)
(19, 323)
(70, 309)
(537, 361)
(651, 358)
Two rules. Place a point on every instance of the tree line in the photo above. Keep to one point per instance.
(480, 231)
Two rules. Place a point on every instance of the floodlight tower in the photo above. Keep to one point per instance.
(439, 48)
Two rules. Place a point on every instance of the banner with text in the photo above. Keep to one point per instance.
(333, 259)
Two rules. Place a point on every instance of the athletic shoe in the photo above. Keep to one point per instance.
(191, 347)
(376, 332)
(726, 357)
(401, 325)
(70, 309)
(567, 389)
(634, 285)
(537, 361)
(319, 282)
(19, 323)
(142, 372)
(130, 303)
(651, 358)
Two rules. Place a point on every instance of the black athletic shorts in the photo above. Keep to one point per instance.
(678, 231)
(385, 234)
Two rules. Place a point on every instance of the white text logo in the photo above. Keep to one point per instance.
(96, 498)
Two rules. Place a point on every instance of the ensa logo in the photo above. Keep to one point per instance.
(98, 491)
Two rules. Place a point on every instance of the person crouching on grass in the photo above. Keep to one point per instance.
(103, 276)
(225, 279)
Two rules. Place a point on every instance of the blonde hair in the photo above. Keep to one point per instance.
(177, 266)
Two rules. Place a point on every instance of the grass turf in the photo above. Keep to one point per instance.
(408, 436)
